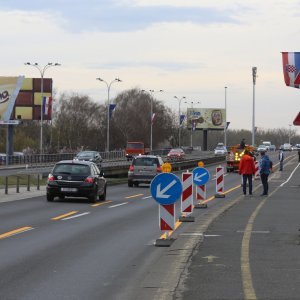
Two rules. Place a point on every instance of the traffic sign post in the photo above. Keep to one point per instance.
(201, 177)
(166, 189)
(187, 198)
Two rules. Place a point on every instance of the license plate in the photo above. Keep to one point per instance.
(64, 189)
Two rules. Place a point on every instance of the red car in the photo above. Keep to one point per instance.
(176, 154)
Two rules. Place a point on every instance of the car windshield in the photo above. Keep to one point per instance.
(72, 169)
(145, 161)
(220, 148)
(262, 146)
(86, 154)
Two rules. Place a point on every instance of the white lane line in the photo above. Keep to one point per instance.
(147, 197)
(290, 176)
(113, 206)
(254, 231)
(76, 216)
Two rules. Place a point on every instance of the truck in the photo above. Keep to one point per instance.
(234, 156)
(134, 149)
(267, 144)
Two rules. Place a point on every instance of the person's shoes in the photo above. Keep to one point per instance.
(263, 194)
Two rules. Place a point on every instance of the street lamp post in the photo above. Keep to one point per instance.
(290, 125)
(179, 128)
(42, 71)
(108, 105)
(225, 125)
(151, 114)
(254, 71)
(192, 105)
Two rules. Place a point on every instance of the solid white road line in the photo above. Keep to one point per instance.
(75, 216)
(113, 206)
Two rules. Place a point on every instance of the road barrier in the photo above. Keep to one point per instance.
(220, 182)
(187, 197)
(257, 175)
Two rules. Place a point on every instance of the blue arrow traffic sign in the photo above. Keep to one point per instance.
(200, 176)
(166, 188)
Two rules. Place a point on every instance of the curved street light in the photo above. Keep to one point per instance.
(108, 106)
(225, 125)
(179, 112)
(42, 70)
(151, 113)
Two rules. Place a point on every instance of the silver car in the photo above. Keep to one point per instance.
(143, 169)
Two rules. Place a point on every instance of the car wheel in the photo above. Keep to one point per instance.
(93, 198)
(50, 198)
(130, 183)
(61, 197)
(103, 196)
(136, 184)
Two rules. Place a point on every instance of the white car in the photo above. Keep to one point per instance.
(262, 148)
(220, 150)
(287, 147)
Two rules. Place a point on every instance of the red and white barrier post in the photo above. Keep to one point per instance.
(220, 182)
(167, 217)
(257, 175)
(200, 196)
(187, 198)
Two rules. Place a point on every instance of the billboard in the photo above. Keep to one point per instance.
(9, 89)
(206, 118)
(29, 100)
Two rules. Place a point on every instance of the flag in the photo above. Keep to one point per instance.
(291, 68)
(47, 105)
(111, 109)
(152, 118)
(181, 119)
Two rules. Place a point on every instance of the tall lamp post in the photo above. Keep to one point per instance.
(151, 114)
(108, 106)
(192, 105)
(290, 133)
(254, 71)
(42, 70)
(179, 128)
(225, 125)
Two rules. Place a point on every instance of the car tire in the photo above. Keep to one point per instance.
(130, 183)
(103, 196)
(50, 198)
(136, 184)
(93, 198)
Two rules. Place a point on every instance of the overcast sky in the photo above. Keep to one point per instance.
(191, 48)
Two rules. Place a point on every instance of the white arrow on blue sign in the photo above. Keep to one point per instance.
(166, 188)
(200, 176)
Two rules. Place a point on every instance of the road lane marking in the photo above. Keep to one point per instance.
(290, 176)
(113, 206)
(15, 232)
(147, 197)
(134, 196)
(76, 216)
(102, 203)
(65, 215)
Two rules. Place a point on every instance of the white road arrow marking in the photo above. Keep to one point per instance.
(198, 177)
(161, 193)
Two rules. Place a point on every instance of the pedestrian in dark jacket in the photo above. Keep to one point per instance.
(242, 144)
(264, 170)
(247, 170)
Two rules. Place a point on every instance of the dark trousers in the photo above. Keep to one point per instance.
(264, 181)
(280, 165)
(247, 177)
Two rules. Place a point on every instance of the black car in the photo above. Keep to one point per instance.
(93, 156)
(76, 179)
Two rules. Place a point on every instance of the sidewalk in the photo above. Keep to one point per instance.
(12, 194)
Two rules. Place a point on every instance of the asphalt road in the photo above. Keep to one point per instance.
(75, 250)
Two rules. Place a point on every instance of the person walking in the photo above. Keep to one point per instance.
(242, 144)
(281, 158)
(264, 170)
(247, 170)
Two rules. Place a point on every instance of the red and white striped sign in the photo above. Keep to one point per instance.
(201, 192)
(167, 217)
(187, 193)
(220, 179)
(257, 175)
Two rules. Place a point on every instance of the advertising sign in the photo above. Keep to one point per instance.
(9, 90)
(206, 118)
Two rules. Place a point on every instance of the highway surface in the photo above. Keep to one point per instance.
(75, 250)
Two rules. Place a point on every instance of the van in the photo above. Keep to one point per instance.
(267, 144)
